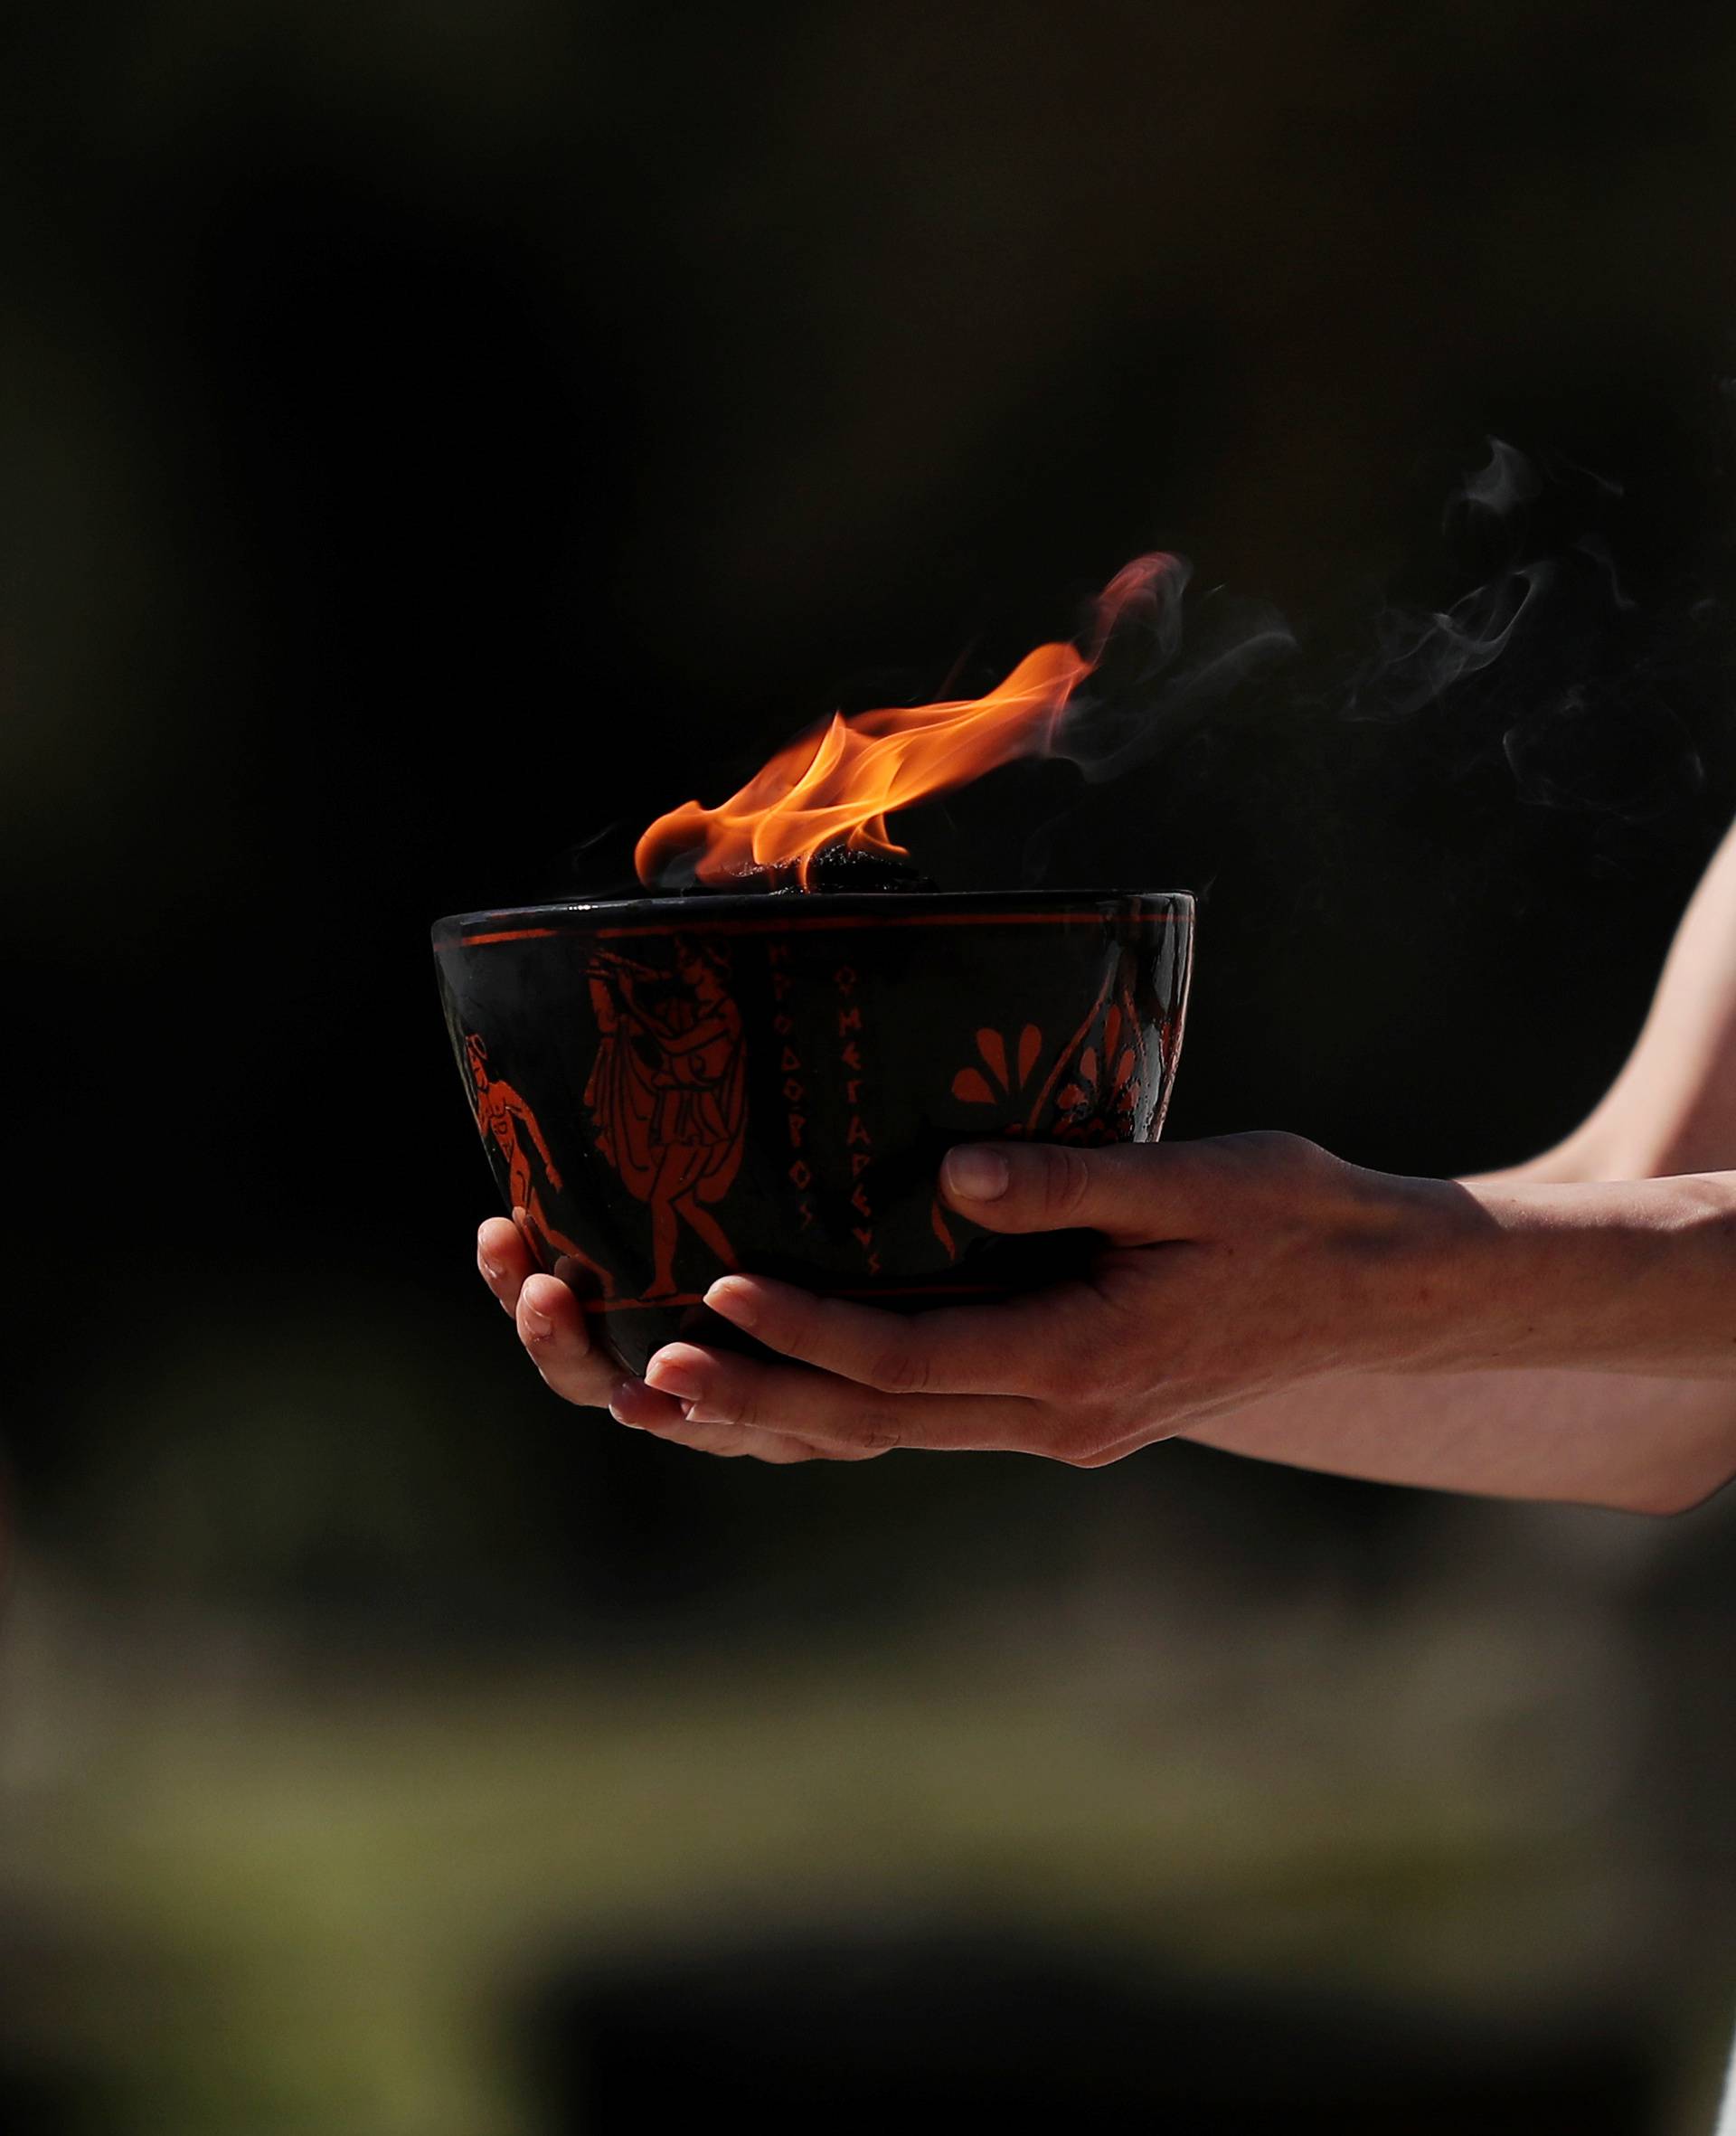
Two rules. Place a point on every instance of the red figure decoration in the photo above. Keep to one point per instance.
(669, 1095)
(505, 1119)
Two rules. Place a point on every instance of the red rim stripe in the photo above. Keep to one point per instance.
(805, 925)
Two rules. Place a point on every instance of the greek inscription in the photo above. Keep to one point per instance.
(858, 1141)
(801, 1173)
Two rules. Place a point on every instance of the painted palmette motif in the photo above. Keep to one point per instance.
(1093, 1088)
(668, 1091)
(1103, 1085)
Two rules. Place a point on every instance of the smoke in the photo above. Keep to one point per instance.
(1161, 665)
(1143, 694)
(1509, 479)
(1418, 659)
(1548, 664)
(1597, 550)
(1541, 670)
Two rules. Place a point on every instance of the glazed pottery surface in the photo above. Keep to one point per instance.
(670, 1088)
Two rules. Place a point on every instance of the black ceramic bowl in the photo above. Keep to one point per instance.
(673, 1088)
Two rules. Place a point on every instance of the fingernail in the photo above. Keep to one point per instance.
(976, 1172)
(489, 1268)
(537, 1325)
(675, 1375)
(618, 1394)
(734, 1300)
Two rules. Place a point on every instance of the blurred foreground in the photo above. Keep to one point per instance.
(1419, 1825)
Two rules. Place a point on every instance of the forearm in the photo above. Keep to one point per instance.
(1586, 1350)
(1651, 1445)
(1634, 1276)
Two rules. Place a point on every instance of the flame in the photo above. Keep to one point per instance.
(838, 790)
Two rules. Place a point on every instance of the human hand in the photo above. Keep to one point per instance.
(1228, 1267)
(553, 1330)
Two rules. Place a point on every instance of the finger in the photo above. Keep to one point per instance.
(1135, 1193)
(502, 1260)
(1022, 1348)
(836, 1414)
(731, 1441)
(552, 1330)
(640, 1408)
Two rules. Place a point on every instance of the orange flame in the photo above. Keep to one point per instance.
(840, 789)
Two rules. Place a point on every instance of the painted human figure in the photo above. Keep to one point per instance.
(667, 1094)
(504, 1119)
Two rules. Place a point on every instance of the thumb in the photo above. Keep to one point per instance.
(1131, 1192)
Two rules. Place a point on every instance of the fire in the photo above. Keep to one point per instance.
(838, 790)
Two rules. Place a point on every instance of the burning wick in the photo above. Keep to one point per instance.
(834, 793)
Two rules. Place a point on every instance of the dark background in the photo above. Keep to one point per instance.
(437, 441)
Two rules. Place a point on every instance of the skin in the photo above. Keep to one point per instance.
(1566, 1329)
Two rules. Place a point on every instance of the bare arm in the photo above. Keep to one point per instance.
(1646, 1445)
(1655, 1444)
(1563, 1330)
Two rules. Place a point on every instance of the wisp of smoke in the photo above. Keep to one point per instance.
(1143, 695)
(1583, 722)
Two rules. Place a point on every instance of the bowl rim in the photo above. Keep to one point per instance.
(772, 911)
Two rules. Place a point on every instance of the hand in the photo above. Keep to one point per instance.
(1228, 1267)
(553, 1330)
